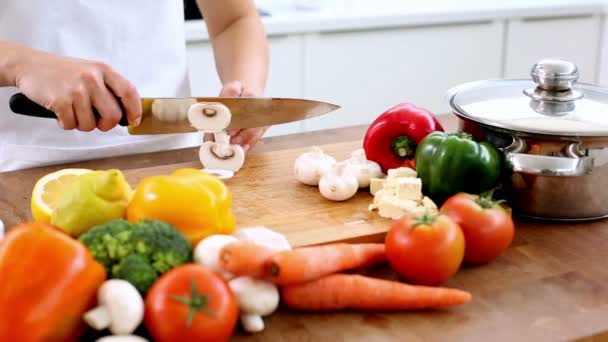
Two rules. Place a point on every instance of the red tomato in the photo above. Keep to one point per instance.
(425, 250)
(488, 227)
(191, 303)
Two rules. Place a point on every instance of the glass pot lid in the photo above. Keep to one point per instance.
(551, 103)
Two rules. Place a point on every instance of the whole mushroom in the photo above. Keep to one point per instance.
(120, 308)
(257, 298)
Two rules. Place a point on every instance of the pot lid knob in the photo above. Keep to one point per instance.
(554, 74)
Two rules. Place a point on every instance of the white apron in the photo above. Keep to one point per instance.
(141, 39)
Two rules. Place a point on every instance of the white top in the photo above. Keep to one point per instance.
(141, 39)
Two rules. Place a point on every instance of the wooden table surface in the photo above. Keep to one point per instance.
(551, 284)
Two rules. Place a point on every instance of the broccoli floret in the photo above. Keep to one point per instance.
(139, 252)
(109, 243)
(137, 270)
(165, 246)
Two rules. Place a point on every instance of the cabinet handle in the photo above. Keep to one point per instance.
(559, 17)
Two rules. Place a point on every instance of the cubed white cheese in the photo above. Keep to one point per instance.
(375, 185)
(402, 172)
(428, 203)
(409, 189)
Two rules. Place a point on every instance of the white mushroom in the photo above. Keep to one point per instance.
(256, 298)
(265, 237)
(209, 117)
(171, 110)
(120, 308)
(339, 183)
(221, 154)
(207, 251)
(363, 169)
(1, 229)
(121, 338)
(309, 166)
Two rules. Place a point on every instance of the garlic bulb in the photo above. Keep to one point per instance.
(309, 166)
(338, 183)
(363, 169)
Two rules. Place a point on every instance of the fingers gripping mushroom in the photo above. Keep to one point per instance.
(257, 298)
(219, 154)
(363, 169)
(309, 166)
(120, 308)
(339, 183)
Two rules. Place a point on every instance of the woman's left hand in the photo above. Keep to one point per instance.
(247, 137)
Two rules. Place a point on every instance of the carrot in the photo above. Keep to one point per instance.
(353, 291)
(244, 258)
(308, 263)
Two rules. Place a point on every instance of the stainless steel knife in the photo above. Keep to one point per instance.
(247, 112)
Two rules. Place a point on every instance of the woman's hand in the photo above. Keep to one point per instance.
(71, 87)
(248, 137)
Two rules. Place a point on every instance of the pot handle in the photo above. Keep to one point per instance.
(572, 165)
(549, 166)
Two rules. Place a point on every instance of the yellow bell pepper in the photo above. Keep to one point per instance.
(196, 203)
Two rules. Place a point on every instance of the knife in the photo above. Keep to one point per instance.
(247, 112)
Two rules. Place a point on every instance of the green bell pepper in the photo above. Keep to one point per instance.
(449, 163)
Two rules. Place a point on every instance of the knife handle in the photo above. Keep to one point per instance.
(20, 104)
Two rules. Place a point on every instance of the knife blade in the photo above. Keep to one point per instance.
(169, 115)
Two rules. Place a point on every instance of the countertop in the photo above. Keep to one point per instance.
(551, 284)
(347, 15)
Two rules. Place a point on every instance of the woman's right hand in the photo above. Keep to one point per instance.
(71, 87)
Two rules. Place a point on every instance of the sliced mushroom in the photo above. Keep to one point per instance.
(121, 338)
(220, 154)
(209, 117)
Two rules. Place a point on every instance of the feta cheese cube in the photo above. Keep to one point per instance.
(375, 185)
(402, 172)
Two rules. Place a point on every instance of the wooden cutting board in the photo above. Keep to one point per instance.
(265, 193)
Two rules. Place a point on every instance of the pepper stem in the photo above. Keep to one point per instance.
(404, 147)
(196, 302)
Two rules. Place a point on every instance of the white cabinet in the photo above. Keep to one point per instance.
(574, 38)
(284, 79)
(367, 72)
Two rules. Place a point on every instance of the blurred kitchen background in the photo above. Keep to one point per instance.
(367, 56)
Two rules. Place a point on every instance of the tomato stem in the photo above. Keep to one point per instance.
(404, 147)
(426, 219)
(196, 302)
(485, 200)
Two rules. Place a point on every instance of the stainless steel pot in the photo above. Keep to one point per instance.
(553, 134)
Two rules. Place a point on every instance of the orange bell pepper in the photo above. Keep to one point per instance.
(196, 203)
(48, 281)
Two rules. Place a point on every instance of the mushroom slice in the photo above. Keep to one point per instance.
(121, 338)
(220, 154)
(219, 173)
(209, 117)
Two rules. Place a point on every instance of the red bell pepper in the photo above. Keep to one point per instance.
(48, 280)
(392, 138)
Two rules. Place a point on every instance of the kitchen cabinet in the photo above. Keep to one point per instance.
(366, 72)
(575, 38)
(284, 75)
